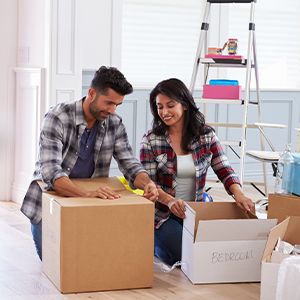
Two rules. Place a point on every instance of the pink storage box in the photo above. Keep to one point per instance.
(222, 91)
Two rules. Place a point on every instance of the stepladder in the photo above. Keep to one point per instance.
(248, 63)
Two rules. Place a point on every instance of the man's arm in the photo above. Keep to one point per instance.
(50, 158)
(127, 163)
(65, 187)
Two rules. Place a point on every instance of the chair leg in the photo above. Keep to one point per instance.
(265, 178)
(274, 167)
(258, 189)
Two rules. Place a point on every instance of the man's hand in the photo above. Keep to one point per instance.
(104, 193)
(150, 191)
(177, 207)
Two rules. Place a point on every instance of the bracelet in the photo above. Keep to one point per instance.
(171, 203)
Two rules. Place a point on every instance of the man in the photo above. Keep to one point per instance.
(78, 140)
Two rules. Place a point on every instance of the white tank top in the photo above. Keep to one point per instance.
(186, 178)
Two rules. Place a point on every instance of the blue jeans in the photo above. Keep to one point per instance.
(167, 240)
(36, 230)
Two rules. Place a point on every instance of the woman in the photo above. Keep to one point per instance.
(177, 153)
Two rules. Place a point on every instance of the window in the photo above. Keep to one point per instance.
(159, 40)
(277, 39)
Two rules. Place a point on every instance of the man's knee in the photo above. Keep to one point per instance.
(36, 230)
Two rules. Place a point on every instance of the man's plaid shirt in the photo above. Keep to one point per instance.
(59, 147)
(159, 160)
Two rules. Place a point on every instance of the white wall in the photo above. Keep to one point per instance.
(30, 89)
(33, 34)
(85, 35)
(8, 56)
(57, 39)
(100, 32)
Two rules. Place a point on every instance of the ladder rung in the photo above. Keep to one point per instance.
(232, 1)
(231, 125)
(231, 143)
(219, 101)
(213, 64)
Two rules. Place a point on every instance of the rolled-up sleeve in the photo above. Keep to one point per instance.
(128, 164)
(147, 158)
(221, 165)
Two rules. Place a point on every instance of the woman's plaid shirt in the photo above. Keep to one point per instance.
(159, 160)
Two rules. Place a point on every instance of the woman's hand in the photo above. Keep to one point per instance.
(150, 191)
(177, 207)
(244, 202)
(241, 200)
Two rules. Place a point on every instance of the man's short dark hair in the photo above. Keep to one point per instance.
(110, 77)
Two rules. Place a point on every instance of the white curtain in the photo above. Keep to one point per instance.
(159, 39)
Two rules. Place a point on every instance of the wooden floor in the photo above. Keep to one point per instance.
(21, 276)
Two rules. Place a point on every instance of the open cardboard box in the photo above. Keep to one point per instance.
(281, 206)
(288, 231)
(90, 244)
(221, 244)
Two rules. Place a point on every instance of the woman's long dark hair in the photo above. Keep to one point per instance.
(194, 121)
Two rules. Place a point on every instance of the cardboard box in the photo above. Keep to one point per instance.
(220, 243)
(91, 244)
(288, 231)
(222, 91)
(282, 206)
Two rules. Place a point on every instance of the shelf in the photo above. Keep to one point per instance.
(225, 63)
(222, 101)
(231, 143)
(219, 101)
(231, 125)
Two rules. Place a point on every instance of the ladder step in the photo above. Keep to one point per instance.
(231, 143)
(231, 125)
(219, 101)
(234, 63)
(232, 1)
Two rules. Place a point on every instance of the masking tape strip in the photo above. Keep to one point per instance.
(51, 206)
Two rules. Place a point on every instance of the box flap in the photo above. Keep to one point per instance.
(233, 230)
(276, 232)
(218, 210)
(292, 234)
(189, 221)
(214, 211)
(282, 206)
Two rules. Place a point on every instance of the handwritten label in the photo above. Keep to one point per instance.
(224, 257)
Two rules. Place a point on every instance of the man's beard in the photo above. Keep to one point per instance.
(99, 115)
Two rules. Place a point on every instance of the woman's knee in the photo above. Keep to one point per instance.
(168, 240)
